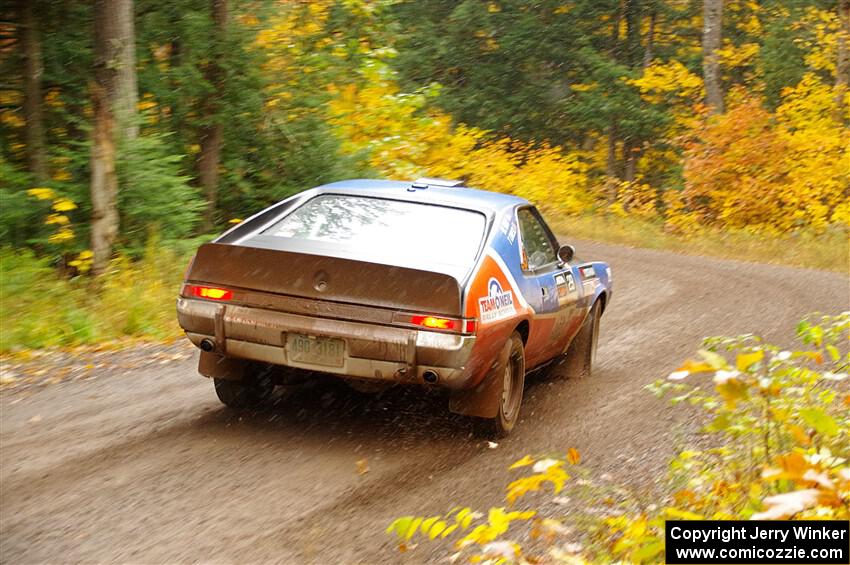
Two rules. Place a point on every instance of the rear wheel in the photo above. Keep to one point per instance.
(581, 354)
(513, 383)
(247, 392)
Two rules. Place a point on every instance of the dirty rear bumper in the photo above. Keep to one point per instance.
(372, 351)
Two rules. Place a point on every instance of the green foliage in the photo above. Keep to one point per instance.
(20, 215)
(154, 194)
(777, 446)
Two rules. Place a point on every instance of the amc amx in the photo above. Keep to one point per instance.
(380, 282)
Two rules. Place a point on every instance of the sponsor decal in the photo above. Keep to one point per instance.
(561, 283)
(498, 304)
(566, 287)
(588, 272)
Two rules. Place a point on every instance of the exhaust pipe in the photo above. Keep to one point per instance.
(207, 345)
(430, 377)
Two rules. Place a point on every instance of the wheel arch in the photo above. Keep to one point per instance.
(523, 328)
(603, 302)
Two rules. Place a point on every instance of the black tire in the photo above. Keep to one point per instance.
(246, 393)
(581, 354)
(513, 384)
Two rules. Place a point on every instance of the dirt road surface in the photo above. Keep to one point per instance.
(145, 466)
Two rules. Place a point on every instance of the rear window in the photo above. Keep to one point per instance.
(378, 230)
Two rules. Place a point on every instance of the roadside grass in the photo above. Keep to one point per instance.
(829, 251)
(39, 308)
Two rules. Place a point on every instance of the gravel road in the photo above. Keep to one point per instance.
(144, 465)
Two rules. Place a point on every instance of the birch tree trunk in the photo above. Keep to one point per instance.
(712, 20)
(842, 64)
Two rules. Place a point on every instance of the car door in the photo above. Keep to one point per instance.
(555, 292)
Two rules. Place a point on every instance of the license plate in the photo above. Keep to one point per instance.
(312, 350)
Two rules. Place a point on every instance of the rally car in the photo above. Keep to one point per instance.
(373, 281)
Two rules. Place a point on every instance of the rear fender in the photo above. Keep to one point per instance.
(483, 400)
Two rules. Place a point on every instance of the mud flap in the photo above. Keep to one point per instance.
(218, 367)
(483, 400)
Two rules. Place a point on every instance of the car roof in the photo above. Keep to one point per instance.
(461, 197)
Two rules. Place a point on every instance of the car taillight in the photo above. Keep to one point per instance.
(434, 322)
(210, 292)
(455, 325)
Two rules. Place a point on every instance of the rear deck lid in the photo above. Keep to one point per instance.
(326, 278)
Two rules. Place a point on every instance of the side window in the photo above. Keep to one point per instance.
(536, 244)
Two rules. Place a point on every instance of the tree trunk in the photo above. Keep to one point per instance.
(104, 182)
(648, 52)
(633, 55)
(36, 147)
(842, 66)
(114, 100)
(712, 20)
(631, 152)
(126, 88)
(212, 135)
(611, 178)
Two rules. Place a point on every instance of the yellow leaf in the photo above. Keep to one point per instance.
(426, 525)
(63, 205)
(414, 525)
(746, 360)
(57, 219)
(437, 529)
(61, 236)
(682, 514)
(695, 367)
(362, 466)
(42, 193)
(525, 461)
(800, 436)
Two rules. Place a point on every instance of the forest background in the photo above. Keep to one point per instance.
(132, 131)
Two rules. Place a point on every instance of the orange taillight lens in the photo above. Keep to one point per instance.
(434, 322)
(455, 325)
(210, 292)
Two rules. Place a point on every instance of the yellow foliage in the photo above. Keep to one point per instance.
(63, 235)
(42, 193)
(671, 77)
(732, 55)
(404, 141)
(822, 49)
(63, 205)
(751, 169)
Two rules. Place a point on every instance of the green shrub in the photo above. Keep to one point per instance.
(154, 194)
(40, 308)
